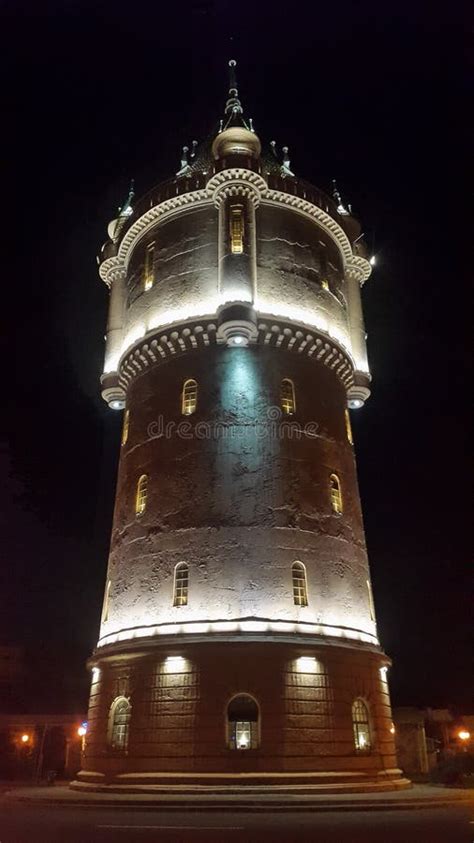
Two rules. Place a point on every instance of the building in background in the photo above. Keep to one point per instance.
(238, 638)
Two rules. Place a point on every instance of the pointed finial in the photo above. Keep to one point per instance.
(221, 125)
(193, 150)
(273, 146)
(251, 125)
(233, 104)
(184, 157)
(233, 78)
(337, 198)
(286, 166)
(126, 208)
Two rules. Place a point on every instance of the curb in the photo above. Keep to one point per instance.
(213, 803)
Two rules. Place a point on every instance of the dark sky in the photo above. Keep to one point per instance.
(370, 93)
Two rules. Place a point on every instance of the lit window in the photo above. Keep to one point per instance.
(105, 610)
(371, 601)
(324, 284)
(348, 427)
(126, 425)
(181, 584)
(336, 496)
(237, 229)
(287, 397)
(141, 496)
(148, 271)
(189, 397)
(119, 723)
(300, 591)
(361, 726)
(242, 723)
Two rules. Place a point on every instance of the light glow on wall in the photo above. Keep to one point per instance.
(383, 673)
(254, 626)
(95, 674)
(306, 664)
(175, 664)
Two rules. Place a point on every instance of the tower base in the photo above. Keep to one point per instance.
(181, 736)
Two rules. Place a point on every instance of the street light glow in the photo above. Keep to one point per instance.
(25, 738)
(464, 735)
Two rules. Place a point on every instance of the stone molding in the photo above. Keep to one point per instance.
(192, 337)
(235, 181)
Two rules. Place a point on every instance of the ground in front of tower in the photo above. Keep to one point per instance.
(348, 823)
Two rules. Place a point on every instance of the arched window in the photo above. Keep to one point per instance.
(236, 223)
(119, 723)
(189, 397)
(287, 397)
(126, 425)
(242, 723)
(335, 491)
(141, 496)
(348, 426)
(149, 269)
(361, 726)
(105, 610)
(181, 583)
(300, 590)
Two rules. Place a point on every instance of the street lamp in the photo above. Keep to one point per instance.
(25, 738)
(464, 735)
(82, 732)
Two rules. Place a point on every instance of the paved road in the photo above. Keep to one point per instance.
(31, 824)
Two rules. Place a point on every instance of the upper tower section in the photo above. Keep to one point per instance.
(235, 249)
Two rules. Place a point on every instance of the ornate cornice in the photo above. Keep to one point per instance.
(232, 182)
(194, 336)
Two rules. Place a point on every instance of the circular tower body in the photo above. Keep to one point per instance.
(238, 639)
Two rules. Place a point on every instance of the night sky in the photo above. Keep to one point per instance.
(371, 94)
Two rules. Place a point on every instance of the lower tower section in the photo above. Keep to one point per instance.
(254, 711)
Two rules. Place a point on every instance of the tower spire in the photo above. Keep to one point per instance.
(233, 104)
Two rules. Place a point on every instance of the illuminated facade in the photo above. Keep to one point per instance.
(238, 633)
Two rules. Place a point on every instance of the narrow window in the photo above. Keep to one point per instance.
(181, 584)
(105, 610)
(300, 590)
(242, 723)
(189, 397)
(141, 496)
(361, 726)
(287, 397)
(336, 496)
(237, 229)
(126, 425)
(119, 723)
(148, 271)
(348, 426)
(371, 601)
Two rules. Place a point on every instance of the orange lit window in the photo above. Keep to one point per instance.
(287, 397)
(189, 397)
(119, 723)
(181, 584)
(148, 271)
(126, 424)
(348, 427)
(335, 491)
(242, 723)
(361, 726)
(300, 591)
(141, 496)
(237, 229)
